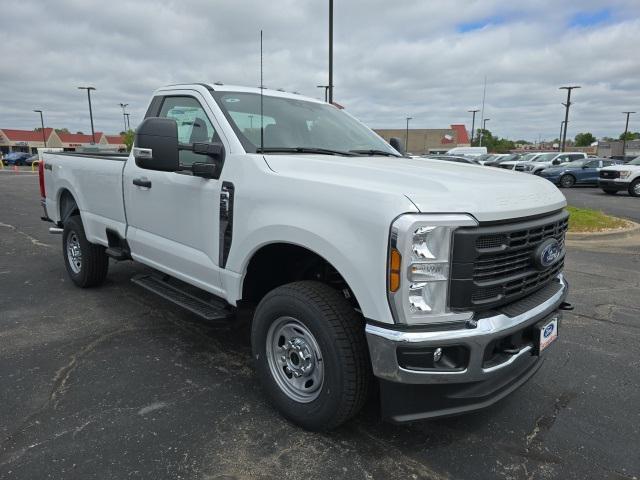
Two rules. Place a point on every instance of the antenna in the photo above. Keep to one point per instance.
(261, 105)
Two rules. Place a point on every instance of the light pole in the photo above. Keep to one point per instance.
(406, 140)
(560, 137)
(484, 127)
(624, 138)
(44, 137)
(330, 51)
(566, 113)
(128, 122)
(473, 122)
(326, 91)
(88, 89)
(124, 115)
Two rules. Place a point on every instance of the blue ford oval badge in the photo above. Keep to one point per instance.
(548, 253)
(548, 330)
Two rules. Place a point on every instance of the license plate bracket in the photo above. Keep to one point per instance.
(546, 332)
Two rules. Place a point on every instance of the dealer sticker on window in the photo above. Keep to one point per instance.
(548, 333)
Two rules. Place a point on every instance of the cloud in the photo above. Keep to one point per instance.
(412, 58)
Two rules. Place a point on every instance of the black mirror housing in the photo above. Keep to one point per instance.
(156, 145)
(395, 143)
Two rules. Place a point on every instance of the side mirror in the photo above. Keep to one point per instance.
(156, 145)
(395, 143)
(216, 152)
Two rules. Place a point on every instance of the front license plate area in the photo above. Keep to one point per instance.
(546, 332)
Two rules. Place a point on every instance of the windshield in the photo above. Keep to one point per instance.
(528, 157)
(546, 157)
(575, 163)
(297, 125)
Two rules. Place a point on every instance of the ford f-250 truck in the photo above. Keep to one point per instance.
(439, 283)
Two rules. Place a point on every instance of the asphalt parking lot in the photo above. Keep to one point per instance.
(115, 383)
(621, 205)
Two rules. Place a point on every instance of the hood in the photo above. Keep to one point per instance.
(434, 186)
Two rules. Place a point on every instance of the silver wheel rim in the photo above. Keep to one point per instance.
(74, 254)
(636, 188)
(566, 181)
(295, 359)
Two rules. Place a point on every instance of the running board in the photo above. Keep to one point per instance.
(214, 310)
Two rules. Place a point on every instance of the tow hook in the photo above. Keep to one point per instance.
(55, 230)
(566, 306)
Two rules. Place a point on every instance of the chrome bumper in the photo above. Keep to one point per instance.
(383, 343)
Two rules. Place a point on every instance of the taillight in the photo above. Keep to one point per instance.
(43, 195)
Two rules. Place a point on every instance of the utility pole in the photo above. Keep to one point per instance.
(406, 140)
(566, 114)
(88, 89)
(560, 137)
(473, 122)
(624, 138)
(326, 91)
(44, 137)
(124, 115)
(330, 51)
(484, 127)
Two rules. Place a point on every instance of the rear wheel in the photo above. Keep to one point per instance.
(634, 188)
(87, 263)
(608, 191)
(310, 354)
(567, 181)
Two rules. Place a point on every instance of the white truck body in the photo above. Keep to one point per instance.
(624, 177)
(339, 208)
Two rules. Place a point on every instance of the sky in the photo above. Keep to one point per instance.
(425, 59)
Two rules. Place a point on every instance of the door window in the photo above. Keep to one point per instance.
(592, 164)
(193, 125)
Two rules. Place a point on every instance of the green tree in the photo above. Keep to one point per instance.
(128, 139)
(584, 139)
(62, 130)
(630, 136)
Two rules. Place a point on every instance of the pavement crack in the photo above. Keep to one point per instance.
(33, 240)
(545, 421)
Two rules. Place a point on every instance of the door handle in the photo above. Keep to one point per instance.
(142, 182)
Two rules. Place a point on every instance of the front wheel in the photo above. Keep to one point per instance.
(310, 354)
(567, 181)
(634, 188)
(87, 263)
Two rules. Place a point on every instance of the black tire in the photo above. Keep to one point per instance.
(339, 332)
(94, 263)
(537, 172)
(608, 191)
(634, 188)
(567, 181)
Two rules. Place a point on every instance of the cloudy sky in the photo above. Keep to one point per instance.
(421, 58)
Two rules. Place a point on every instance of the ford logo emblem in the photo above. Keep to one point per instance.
(548, 330)
(547, 254)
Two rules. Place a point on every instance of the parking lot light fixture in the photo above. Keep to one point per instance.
(124, 115)
(566, 114)
(624, 137)
(484, 127)
(473, 122)
(560, 137)
(88, 89)
(406, 140)
(44, 137)
(128, 122)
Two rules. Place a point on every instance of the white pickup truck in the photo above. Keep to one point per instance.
(618, 178)
(439, 283)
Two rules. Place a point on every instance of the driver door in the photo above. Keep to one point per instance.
(173, 217)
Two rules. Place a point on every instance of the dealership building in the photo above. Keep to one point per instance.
(428, 140)
(12, 140)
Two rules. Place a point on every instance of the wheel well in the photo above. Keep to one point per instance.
(67, 205)
(281, 263)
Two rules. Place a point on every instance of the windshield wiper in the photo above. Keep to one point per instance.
(321, 151)
(372, 152)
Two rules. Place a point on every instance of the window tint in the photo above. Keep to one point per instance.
(193, 125)
(575, 156)
(592, 164)
(608, 163)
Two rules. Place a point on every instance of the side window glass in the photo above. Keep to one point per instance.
(193, 125)
(592, 164)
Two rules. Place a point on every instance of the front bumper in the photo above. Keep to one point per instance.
(410, 394)
(613, 184)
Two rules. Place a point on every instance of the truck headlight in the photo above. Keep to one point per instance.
(625, 173)
(419, 265)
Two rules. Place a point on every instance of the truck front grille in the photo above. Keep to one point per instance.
(495, 265)
(609, 174)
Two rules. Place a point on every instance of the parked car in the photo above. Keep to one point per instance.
(518, 164)
(31, 159)
(552, 159)
(452, 158)
(624, 158)
(16, 158)
(355, 264)
(470, 151)
(621, 177)
(578, 172)
(497, 162)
